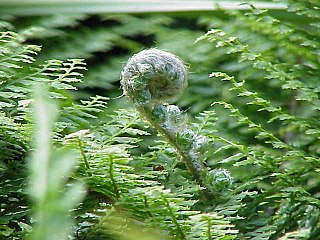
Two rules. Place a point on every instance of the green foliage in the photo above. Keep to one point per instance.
(14, 206)
(253, 96)
(280, 148)
(49, 171)
(104, 155)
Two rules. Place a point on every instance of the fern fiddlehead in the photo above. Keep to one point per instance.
(150, 79)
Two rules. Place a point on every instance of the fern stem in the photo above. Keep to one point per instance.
(84, 157)
(174, 219)
(121, 131)
(195, 167)
(146, 204)
(150, 79)
(209, 229)
(114, 183)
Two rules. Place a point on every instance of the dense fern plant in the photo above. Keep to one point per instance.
(44, 190)
(278, 160)
(242, 163)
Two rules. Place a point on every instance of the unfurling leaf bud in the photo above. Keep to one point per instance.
(186, 138)
(161, 74)
(159, 113)
(201, 144)
(174, 115)
(220, 179)
(151, 79)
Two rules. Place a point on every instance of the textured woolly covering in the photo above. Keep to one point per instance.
(153, 75)
(150, 79)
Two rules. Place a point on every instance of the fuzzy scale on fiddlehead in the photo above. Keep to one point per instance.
(153, 75)
(152, 78)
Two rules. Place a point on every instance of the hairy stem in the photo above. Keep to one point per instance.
(150, 80)
(195, 167)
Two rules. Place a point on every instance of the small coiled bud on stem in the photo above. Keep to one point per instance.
(152, 78)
